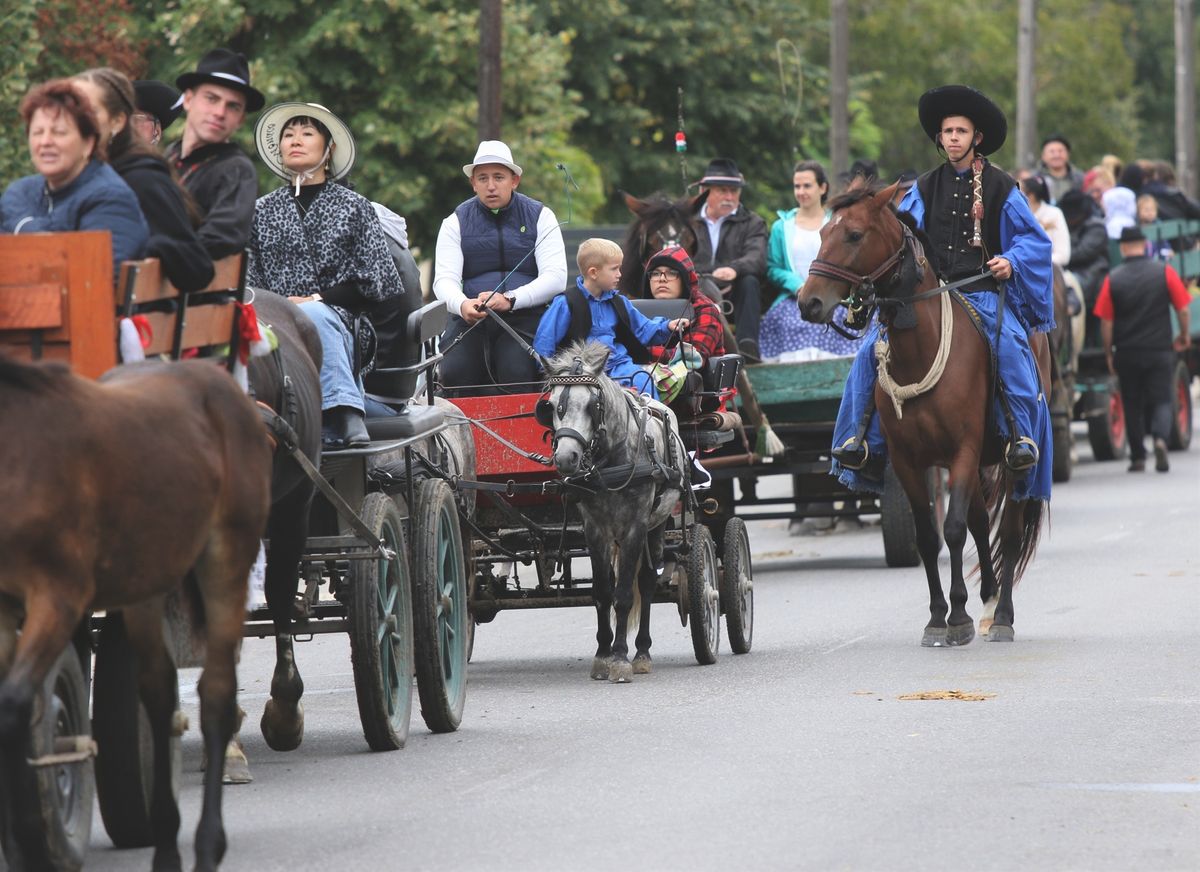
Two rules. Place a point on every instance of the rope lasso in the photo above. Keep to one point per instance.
(900, 393)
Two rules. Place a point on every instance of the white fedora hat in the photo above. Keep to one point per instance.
(492, 151)
(270, 128)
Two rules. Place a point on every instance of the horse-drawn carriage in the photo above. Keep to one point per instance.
(532, 511)
(383, 560)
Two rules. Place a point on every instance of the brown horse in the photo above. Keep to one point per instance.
(944, 427)
(119, 491)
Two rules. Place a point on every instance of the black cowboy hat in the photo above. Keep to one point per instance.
(159, 99)
(723, 171)
(228, 69)
(939, 103)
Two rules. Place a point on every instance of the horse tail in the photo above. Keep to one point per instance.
(1016, 525)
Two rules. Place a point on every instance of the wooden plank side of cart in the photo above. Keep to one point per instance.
(804, 393)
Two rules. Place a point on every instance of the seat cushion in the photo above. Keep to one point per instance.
(412, 421)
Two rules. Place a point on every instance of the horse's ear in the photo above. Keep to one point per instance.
(633, 203)
(885, 196)
(697, 201)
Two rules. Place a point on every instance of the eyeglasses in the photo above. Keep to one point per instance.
(148, 126)
(661, 274)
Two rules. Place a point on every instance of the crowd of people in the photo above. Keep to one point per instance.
(97, 145)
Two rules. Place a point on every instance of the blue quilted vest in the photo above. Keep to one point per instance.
(493, 243)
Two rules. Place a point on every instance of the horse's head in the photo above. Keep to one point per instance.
(575, 406)
(658, 222)
(862, 243)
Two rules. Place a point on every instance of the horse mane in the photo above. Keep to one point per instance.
(29, 377)
(848, 199)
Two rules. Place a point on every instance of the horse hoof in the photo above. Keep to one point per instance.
(237, 767)
(282, 729)
(935, 637)
(641, 664)
(621, 672)
(1000, 633)
(962, 634)
(600, 669)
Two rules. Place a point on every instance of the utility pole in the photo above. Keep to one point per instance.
(1026, 104)
(489, 68)
(1185, 97)
(839, 88)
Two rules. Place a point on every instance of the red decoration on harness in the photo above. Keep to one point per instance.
(247, 330)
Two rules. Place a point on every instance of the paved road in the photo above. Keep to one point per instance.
(800, 755)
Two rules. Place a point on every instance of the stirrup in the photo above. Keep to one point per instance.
(852, 445)
(1019, 461)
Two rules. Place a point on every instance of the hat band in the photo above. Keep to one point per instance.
(231, 78)
(709, 179)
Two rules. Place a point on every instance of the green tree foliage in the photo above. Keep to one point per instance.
(745, 96)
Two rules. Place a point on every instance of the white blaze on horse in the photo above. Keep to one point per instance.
(626, 455)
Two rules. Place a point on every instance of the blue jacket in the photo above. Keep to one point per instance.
(96, 200)
(554, 324)
(496, 243)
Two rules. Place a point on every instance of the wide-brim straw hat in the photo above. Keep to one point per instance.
(270, 128)
(937, 104)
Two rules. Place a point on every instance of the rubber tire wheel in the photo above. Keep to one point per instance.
(381, 630)
(704, 607)
(1061, 470)
(721, 491)
(737, 587)
(1106, 432)
(440, 634)
(121, 727)
(1181, 409)
(62, 820)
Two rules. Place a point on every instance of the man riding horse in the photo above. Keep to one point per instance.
(979, 225)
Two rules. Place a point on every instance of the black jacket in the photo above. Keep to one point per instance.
(172, 237)
(221, 179)
(742, 244)
(1089, 256)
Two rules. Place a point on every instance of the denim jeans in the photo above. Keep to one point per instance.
(340, 385)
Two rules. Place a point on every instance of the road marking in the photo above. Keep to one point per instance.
(1113, 537)
(506, 779)
(843, 645)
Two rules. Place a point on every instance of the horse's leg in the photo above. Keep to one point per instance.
(979, 526)
(913, 481)
(647, 582)
(283, 716)
(602, 593)
(156, 687)
(963, 481)
(629, 556)
(1015, 524)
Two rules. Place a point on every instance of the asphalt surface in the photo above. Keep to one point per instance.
(1083, 754)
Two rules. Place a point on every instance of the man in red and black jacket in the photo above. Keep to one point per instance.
(1134, 306)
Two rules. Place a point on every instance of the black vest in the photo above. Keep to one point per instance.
(1141, 305)
(948, 224)
(581, 325)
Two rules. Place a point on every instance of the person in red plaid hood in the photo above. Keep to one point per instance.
(670, 274)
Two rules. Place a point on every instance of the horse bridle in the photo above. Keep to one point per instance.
(545, 410)
(862, 297)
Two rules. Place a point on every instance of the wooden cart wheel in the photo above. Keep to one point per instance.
(381, 630)
(1181, 409)
(737, 587)
(125, 763)
(55, 801)
(704, 601)
(440, 610)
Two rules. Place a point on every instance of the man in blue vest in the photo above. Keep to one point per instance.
(499, 255)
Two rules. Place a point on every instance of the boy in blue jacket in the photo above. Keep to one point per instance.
(594, 310)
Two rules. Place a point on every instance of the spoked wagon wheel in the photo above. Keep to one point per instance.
(737, 587)
(1181, 409)
(381, 630)
(704, 600)
(440, 613)
(54, 802)
(125, 762)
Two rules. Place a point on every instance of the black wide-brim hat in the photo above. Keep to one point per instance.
(159, 99)
(228, 69)
(937, 104)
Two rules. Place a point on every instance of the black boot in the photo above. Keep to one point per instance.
(1022, 455)
(345, 428)
(853, 454)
